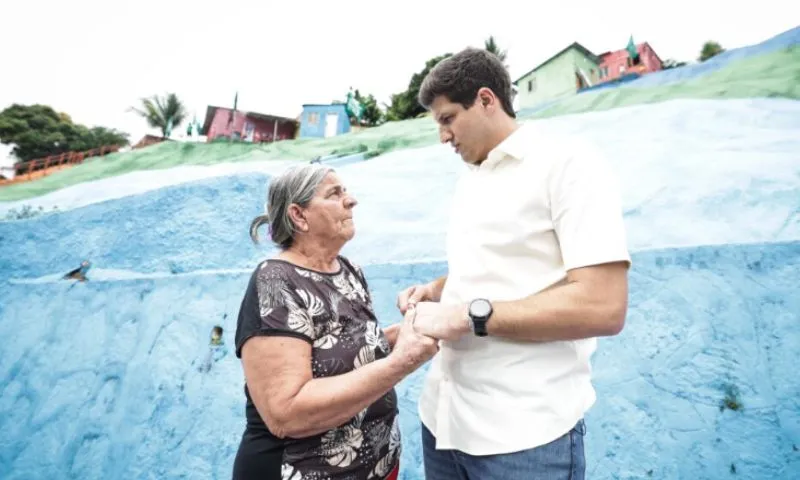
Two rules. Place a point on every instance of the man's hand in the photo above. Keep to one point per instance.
(443, 322)
(413, 295)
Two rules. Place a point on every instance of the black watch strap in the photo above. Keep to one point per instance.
(480, 310)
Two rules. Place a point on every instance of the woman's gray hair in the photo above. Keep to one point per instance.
(296, 185)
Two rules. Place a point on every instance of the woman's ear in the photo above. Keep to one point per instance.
(297, 218)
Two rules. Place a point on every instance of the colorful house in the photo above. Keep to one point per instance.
(575, 68)
(221, 122)
(318, 120)
(619, 62)
(564, 73)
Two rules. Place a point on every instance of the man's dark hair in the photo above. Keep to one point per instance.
(460, 76)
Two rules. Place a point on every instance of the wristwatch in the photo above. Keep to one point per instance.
(480, 310)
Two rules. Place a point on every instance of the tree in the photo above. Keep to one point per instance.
(163, 113)
(371, 114)
(710, 49)
(405, 104)
(37, 131)
(491, 46)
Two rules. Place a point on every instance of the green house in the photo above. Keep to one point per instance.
(563, 74)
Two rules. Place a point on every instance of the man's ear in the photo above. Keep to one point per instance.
(486, 97)
(297, 217)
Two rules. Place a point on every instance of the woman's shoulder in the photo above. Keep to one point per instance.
(273, 273)
(350, 265)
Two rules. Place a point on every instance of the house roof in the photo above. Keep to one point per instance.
(640, 47)
(212, 110)
(569, 47)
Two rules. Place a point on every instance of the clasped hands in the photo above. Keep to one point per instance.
(432, 319)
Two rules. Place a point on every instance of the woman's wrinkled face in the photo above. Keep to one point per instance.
(329, 215)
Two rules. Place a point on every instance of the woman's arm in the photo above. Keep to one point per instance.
(294, 404)
(391, 333)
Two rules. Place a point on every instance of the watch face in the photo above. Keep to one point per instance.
(480, 308)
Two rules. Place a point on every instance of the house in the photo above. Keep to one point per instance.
(564, 73)
(617, 63)
(319, 120)
(221, 122)
(576, 68)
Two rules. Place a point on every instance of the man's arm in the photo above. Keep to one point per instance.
(592, 302)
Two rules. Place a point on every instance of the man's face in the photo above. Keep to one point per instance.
(463, 128)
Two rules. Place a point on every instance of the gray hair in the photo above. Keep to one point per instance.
(296, 185)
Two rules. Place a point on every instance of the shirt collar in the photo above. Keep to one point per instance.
(512, 147)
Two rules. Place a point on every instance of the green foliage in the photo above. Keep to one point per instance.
(732, 400)
(405, 105)
(26, 211)
(671, 63)
(371, 114)
(37, 131)
(491, 46)
(710, 49)
(164, 113)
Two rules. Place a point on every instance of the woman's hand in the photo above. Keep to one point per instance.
(413, 295)
(411, 349)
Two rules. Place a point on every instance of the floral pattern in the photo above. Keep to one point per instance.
(333, 312)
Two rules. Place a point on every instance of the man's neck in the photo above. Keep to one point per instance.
(508, 127)
(501, 133)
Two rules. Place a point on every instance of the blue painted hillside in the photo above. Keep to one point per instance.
(100, 380)
(728, 166)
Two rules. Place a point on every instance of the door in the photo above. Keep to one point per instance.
(331, 124)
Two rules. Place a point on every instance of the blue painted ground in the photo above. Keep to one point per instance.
(99, 380)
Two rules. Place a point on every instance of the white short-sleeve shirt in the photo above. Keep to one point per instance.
(539, 205)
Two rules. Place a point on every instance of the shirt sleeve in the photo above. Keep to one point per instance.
(586, 210)
(272, 305)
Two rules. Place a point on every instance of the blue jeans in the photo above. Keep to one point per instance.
(561, 459)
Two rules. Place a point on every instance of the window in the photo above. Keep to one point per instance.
(635, 62)
(621, 68)
(532, 84)
(313, 118)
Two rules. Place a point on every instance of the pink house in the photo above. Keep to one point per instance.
(617, 63)
(247, 126)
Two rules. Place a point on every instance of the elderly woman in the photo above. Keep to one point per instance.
(319, 371)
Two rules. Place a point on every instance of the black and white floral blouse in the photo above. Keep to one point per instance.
(333, 312)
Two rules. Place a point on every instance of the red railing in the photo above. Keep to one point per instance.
(67, 158)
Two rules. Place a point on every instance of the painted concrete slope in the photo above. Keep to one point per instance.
(692, 173)
(100, 380)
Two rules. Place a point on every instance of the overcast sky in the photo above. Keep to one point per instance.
(93, 59)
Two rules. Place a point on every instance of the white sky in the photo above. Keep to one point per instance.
(94, 58)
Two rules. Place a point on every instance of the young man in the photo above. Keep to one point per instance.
(537, 269)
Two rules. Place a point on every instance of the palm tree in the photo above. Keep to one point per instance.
(491, 46)
(163, 113)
